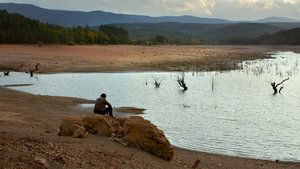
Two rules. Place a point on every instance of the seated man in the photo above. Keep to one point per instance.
(102, 106)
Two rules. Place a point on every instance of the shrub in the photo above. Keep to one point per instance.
(40, 44)
(71, 43)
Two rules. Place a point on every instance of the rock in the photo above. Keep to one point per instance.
(134, 131)
(99, 124)
(143, 134)
(72, 126)
(42, 161)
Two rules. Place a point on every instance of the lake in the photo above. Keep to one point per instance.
(231, 112)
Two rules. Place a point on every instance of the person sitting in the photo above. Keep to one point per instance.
(102, 106)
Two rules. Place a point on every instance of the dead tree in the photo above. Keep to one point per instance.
(181, 82)
(6, 73)
(157, 81)
(31, 71)
(275, 86)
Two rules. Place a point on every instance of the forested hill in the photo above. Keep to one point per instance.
(15, 28)
(285, 37)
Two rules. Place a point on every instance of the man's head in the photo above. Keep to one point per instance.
(103, 95)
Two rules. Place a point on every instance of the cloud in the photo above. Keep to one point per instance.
(191, 6)
(290, 1)
(230, 9)
(259, 4)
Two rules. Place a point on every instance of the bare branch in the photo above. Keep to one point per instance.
(34, 70)
(157, 81)
(6, 73)
(274, 86)
(181, 82)
(282, 81)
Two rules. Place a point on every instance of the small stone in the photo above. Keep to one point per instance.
(50, 144)
(42, 161)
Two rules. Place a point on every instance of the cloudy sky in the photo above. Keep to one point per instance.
(228, 9)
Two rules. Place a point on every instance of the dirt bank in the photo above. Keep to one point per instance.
(60, 58)
(28, 139)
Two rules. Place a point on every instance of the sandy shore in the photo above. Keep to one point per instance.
(60, 58)
(29, 123)
(29, 127)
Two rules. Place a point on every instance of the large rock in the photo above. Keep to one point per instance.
(141, 133)
(99, 124)
(134, 131)
(72, 126)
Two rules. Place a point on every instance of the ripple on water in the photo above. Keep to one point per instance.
(232, 112)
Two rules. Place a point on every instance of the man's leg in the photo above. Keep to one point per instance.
(99, 112)
(109, 111)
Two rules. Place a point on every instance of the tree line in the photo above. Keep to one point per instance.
(17, 29)
(284, 37)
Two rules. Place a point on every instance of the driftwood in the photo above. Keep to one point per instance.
(196, 164)
(275, 86)
(181, 82)
(31, 71)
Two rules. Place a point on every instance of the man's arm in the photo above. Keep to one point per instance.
(108, 104)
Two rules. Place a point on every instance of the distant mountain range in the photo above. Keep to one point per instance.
(95, 18)
(276, 19)
(185, 28)
(219, 33)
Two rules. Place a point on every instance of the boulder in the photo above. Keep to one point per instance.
(141, 133)
(134, 131)
(100, 124)
(72, 126)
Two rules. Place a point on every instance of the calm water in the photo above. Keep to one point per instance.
(233, 112)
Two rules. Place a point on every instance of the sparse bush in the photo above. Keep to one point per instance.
(40, 44)
(160, 39)
(71, 43)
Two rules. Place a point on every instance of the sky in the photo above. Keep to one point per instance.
(226, 9)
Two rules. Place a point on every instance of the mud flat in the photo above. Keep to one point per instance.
(61, 58)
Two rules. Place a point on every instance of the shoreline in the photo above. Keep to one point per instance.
(34, 119)
(232, 156)
(124, 58)
(131, 58)
(139, 111)
(67, 104)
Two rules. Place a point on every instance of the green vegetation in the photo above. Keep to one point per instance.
(194, 33)
(17, 29)
(285, 37)
(160, 40)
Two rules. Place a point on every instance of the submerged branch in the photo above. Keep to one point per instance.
(181, 82)
(31, 71)
(274, 86)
